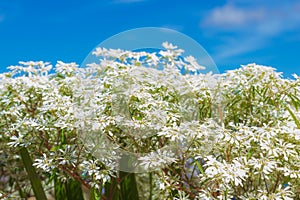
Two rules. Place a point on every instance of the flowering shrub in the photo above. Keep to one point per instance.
(139, 124)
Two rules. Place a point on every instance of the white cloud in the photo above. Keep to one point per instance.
(238, 46)
(250, 26)
(230, 15)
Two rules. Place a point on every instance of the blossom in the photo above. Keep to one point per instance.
(91, 165)
(65, 68)
(233, 135)
(44, 163)
(18, 141)
(169, 46)
(192, 65)
(263, 164)
(234, 172)
(160, 158)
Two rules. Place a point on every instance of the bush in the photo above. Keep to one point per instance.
(148, 126)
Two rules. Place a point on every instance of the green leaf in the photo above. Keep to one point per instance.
(69, 190)
(63, 137)
(59, 190)
(293, 116)
(199, 167)
(74, 190)
(128, 186)
(95, 195)
(111, 190)
(35, 181)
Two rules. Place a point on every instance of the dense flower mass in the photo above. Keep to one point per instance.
(189, 135)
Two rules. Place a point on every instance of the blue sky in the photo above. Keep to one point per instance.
(233, 32)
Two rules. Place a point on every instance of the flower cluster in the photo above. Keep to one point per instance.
(199, 136)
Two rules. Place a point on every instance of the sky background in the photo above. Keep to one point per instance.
(233, 32)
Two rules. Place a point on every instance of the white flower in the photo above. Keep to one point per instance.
(166, 53)
(169, 46)
(144, 101)
(108, 53)
(234, 172)
(44, 163)
(171, 51)
(279, 194)
(290, 172)
(68, 156)
(192, 65)
(263, 164)
(91, 166)
(18, 141)
(65, 68)
(181, 196)
(173, 133)
(157, 159)
(297, 134)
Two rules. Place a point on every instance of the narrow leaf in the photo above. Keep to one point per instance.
(35, 181)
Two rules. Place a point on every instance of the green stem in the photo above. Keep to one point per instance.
(21, 192)
(35, 181)
(151, 187)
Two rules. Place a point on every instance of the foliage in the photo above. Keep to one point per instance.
(191, 135)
